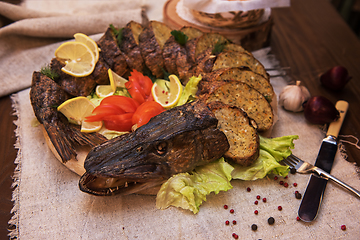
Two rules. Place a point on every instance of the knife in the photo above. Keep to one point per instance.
(314, 192)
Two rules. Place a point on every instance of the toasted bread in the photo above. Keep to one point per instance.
(247, 76)
(240, 131)
(241, 95)
(229, 59)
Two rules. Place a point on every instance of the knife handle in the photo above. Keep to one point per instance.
(334, 127)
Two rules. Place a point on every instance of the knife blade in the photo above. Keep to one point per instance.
(314, 192)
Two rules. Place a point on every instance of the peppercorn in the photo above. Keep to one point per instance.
(343, 227)
(256, 202)
(234, 222)
(232, 211)
(254, 227)
(286, 184)
(225, 206)
(279, 208)
(227, 222)
(295, 184)
(256, 212)
(271, 220)
(264, 200)
(235, 236)
(297, 195)
(248, 189)
(258, 197)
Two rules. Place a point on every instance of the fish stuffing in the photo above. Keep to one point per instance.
(174, 141)
(45, 96)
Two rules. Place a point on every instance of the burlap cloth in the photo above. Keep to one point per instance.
(49, 205)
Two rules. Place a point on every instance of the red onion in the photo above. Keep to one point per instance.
(335, 78)
(320, 110)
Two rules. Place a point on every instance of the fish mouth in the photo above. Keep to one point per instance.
(108, 186)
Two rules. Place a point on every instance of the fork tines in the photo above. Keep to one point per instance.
(292, 161)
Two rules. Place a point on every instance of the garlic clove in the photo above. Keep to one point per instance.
(292, 97)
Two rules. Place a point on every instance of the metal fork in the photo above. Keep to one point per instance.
(304, 167)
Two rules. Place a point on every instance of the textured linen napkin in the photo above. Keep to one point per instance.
(24, 43)
(49, 205)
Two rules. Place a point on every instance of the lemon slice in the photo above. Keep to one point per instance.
(116, 80)
(80, 37)
(104, 91)
(79, 59)
(76, 109)
(167, 93)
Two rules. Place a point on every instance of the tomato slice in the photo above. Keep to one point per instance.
(103, 110)
(145, 112)
(127, 104)
(139, 86)
(135, 91)
(121, 122)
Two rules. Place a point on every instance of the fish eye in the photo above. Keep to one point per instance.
(139, 149)
(161, 148)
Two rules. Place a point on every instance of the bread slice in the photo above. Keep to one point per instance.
(247, 76)
(228, 59)
(241, 95)
(240, 131)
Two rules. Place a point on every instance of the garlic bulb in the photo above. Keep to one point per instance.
(292, 97)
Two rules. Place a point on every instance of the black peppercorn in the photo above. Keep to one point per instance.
(254, 227)
(271, 220)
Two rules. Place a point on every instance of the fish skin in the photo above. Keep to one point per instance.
(174, 141)
(45, 96)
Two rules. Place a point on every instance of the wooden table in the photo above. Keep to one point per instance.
(309, 38)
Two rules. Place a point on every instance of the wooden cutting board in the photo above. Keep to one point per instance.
(251, 39)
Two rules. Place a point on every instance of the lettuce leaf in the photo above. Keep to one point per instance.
(189, 91)
(272, 151)
(189, 190)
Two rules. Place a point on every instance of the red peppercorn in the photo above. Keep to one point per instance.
(232, 211)
(256, 202)
(258, 197)
(264, 199)
(296, 192)
(256, 212)
(234, 222)
(279, 208)
(297, 218)
(235, 236)
(295, 184)
(276, 178)
(281, 182)
(286, 184)
(286, 177)
(227, 222)
(343, 227)
(225, 206)
(248, 189)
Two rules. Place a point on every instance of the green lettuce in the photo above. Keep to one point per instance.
(189, 91)
(189, 190)
(272, 151)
